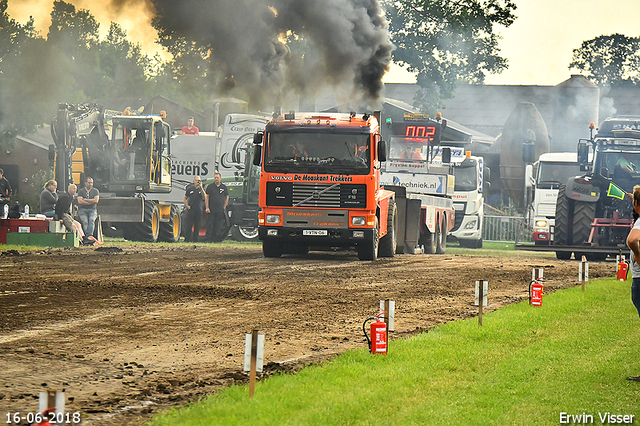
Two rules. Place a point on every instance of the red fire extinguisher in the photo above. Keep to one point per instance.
(622, 269)
(378, 342)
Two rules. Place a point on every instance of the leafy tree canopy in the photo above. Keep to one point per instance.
(609, 60)
(447, 41)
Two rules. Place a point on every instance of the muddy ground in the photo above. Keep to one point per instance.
(128, 330)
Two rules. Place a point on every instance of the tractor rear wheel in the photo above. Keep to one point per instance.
(562, 233)
(389, 243)
(583, 215)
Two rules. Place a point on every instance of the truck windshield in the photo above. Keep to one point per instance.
(408, 149)
(553, 174)
(466, 178)
(317, 152)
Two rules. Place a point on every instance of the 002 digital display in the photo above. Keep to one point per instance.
(425, 132)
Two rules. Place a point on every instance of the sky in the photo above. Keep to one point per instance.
(538, 45)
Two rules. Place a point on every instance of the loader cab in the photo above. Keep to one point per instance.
(140, 153)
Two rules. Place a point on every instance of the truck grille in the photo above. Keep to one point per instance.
(312, 194)
(316, 195)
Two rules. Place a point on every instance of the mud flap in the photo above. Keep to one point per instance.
(412, 228)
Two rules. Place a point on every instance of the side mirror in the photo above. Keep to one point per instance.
(257, 155)
(52, 156)
(486, 175)
(257, 139)
(583, 154)
(528, 152)
(382, 150)
(446, 155)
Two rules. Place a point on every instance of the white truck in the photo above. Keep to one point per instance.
(468, 198)
(551, 170)
(235, 135)
(428, 183)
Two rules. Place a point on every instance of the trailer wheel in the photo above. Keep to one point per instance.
(369, 250)
(441, 245)
(243, 233)
(389, 243)
(170, 231)
(148, 230)
(562, 234)
(271, 248)
(428, 240)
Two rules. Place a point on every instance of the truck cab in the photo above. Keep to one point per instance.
(551, 170)
(468, 198)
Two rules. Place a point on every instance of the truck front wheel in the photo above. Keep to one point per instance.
(369, 250)
(271, 248)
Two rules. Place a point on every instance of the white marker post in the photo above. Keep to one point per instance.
(51, 399)
(583, 271)
(253, 357)
(481, 297)
(388, 306)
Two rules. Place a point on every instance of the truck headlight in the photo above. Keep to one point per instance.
(541, 223)
(358, 221)
(472, 224)
(273, 218)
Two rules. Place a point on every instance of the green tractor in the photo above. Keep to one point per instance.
(243, 199)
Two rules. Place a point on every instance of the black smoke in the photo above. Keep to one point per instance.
(346, 43)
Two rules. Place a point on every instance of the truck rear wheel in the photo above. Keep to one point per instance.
(441, 246)
(389, 243)
(428, 240)
(271, 248)
(369, 250)
(170, 231)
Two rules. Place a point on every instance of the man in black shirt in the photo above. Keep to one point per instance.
(217, 198)
(5, 191)
(193, 200)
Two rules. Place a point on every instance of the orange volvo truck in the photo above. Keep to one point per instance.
(320, 185)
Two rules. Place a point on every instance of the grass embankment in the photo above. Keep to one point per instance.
(525, 365)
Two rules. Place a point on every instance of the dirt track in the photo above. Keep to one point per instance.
(125, 334)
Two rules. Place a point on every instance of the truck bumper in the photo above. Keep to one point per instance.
(468, 229)
(334, 238)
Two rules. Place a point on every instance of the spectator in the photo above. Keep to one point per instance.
(194, 198)
(49, 198)
(217, 199)
(190, 129)
(64, 211)
(88, 198)
(5, 191)
(410, 154)
(633, 241)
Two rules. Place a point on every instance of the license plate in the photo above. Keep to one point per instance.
(315, 232)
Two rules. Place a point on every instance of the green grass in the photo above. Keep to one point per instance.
(524, 366)
(502, 249)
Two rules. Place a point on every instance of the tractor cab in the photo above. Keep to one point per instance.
(140, 152)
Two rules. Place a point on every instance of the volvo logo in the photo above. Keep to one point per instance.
(277, 189)
(354, 191)
(316, 195)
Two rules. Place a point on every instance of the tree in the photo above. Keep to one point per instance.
(609, 59)
(447, 41)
